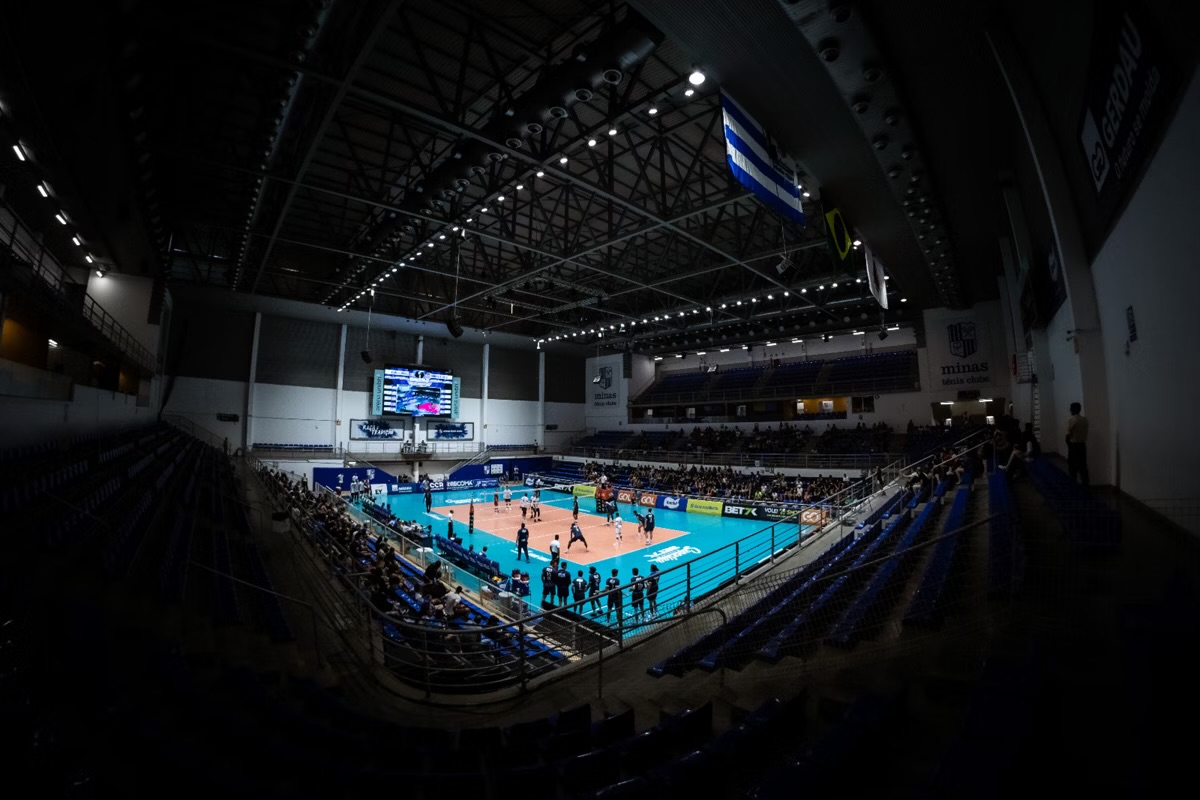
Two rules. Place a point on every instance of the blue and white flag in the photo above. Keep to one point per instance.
(748, 151)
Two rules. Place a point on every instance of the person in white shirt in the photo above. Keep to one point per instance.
(555, 548)
(507, 499)
(524, 505)
(451, 600)
(617, 529)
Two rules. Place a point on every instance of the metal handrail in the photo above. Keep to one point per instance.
(56, 279)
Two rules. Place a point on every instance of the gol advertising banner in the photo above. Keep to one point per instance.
(813, 516)
(672, 503)
(648, 499)
(625, 496)
(711, 507)
(584, 490)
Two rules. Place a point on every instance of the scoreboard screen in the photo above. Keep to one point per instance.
(413, 391)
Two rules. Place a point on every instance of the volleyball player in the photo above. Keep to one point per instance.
(471, 518)
(535, 508)
(637, 591)
(649, 527)
(577, 536)
(496, 502)
(548, 586)
(579, 588)
(652, 590)
(594, 588)
(613, 587)
(507, 499)
(610, 508)
(617, 523)
(575, 509)
(524, 505)
(450, 526)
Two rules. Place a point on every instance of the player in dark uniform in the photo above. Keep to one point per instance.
(652, 590)
(641, 520)
(428, 500)
(579, 588)
(523, 542)
(594, 588)
(471, 518)
(577, 535)
(562, 582)
(610, 508)
(637, 593)
(613, 587)
(649, 527)
(548, 586)
(575, 509)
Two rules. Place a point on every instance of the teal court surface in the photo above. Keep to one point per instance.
(695, 553)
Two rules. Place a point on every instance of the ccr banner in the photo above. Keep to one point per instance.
(672, 503)
(712, 508)
(584, 490)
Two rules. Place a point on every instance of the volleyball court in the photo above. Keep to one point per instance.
(556, 519)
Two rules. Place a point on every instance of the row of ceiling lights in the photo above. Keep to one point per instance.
(825, 337)
(696, 78)
(665, 317)
(45, 191)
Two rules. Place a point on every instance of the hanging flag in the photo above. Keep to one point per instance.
(839, 234)
(875, 279)
(755, 163)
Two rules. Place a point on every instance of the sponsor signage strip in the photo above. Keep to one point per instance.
(712, 508)
(583, 490)
(672, 503)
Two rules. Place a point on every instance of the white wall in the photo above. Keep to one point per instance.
(26, 421)
(200, 400)
(127, 298)
(292, 414)
(1149, 262)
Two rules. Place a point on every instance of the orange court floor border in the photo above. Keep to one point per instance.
(600, 537)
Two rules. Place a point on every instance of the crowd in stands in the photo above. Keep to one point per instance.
(720, 482)
(349, 546)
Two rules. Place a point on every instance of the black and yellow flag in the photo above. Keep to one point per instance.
(839, 235)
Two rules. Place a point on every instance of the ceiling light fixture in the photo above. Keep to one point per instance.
(612, 131)
(688, 92)
(61, 219)
(540, 173)
(562, 160)
(483, 211)
(591, 142)
(903, 299)
(697, 77)
(724, 350)
(20, 153)
(857, 242)
(42, 190)
(808, 194)
(520, 186)
(77, 241)
(804, 291)
(88, 259)
(652, 110)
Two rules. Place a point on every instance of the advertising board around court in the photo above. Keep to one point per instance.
(671, 502)
(712, 508)
(584, 490)
(772, 512)
(625, 496)
(648, 499)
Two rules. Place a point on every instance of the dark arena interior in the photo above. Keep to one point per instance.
(573, 399)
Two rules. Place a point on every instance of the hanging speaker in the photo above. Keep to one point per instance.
(454, 328)
(366, 356)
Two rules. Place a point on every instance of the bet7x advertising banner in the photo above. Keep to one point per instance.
(774, 512)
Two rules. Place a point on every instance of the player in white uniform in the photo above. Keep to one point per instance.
(507, 499)
(617, 529)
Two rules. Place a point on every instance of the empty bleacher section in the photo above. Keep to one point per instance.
(737, 380)
(1085, 520)
(875, 373)
(675, 384)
